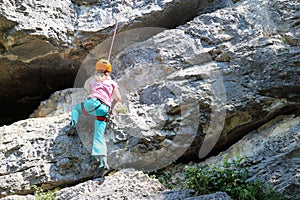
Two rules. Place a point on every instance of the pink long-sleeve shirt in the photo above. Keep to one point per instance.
(102, 90)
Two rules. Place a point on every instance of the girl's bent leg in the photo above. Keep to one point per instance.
(76, 112)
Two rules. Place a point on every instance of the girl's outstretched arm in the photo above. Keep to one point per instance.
(116, 98)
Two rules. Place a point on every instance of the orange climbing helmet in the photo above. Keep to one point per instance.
(103, 65)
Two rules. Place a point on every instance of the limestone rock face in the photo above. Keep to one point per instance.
(38, 151)
(226, 77)
(236, 79)
(128, 183)
(43, 43)
(223, 70)
(272, 154)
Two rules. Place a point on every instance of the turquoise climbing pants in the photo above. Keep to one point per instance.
(94, 107)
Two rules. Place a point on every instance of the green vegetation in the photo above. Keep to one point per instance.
(231, 178)
(283, 40)
(122, 109)
(170, 177)
(40, 194)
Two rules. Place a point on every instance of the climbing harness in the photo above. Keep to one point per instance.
(115, 32)
(99, 118)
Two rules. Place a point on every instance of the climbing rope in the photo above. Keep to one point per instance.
(115, 32)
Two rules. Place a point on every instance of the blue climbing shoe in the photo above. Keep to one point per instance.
(72, 129)
(103, 167)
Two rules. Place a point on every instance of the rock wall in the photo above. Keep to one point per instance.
(226, 80)
(222, 70)
(271, 153)
(43, 43)
(37, 153)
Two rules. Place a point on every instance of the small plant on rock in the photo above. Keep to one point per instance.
(231, 178)
(122, 109)
(40, 194)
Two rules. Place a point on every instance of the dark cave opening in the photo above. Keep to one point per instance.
(12, 111)
(16, 109)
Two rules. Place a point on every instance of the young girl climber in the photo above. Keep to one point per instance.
(103, 93)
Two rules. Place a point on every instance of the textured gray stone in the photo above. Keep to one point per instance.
(187, 195)
(47, 40)
(38, 152)
(19, 197)
(215, 196)
(241, 61)
(124, 184)
(272, 154)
